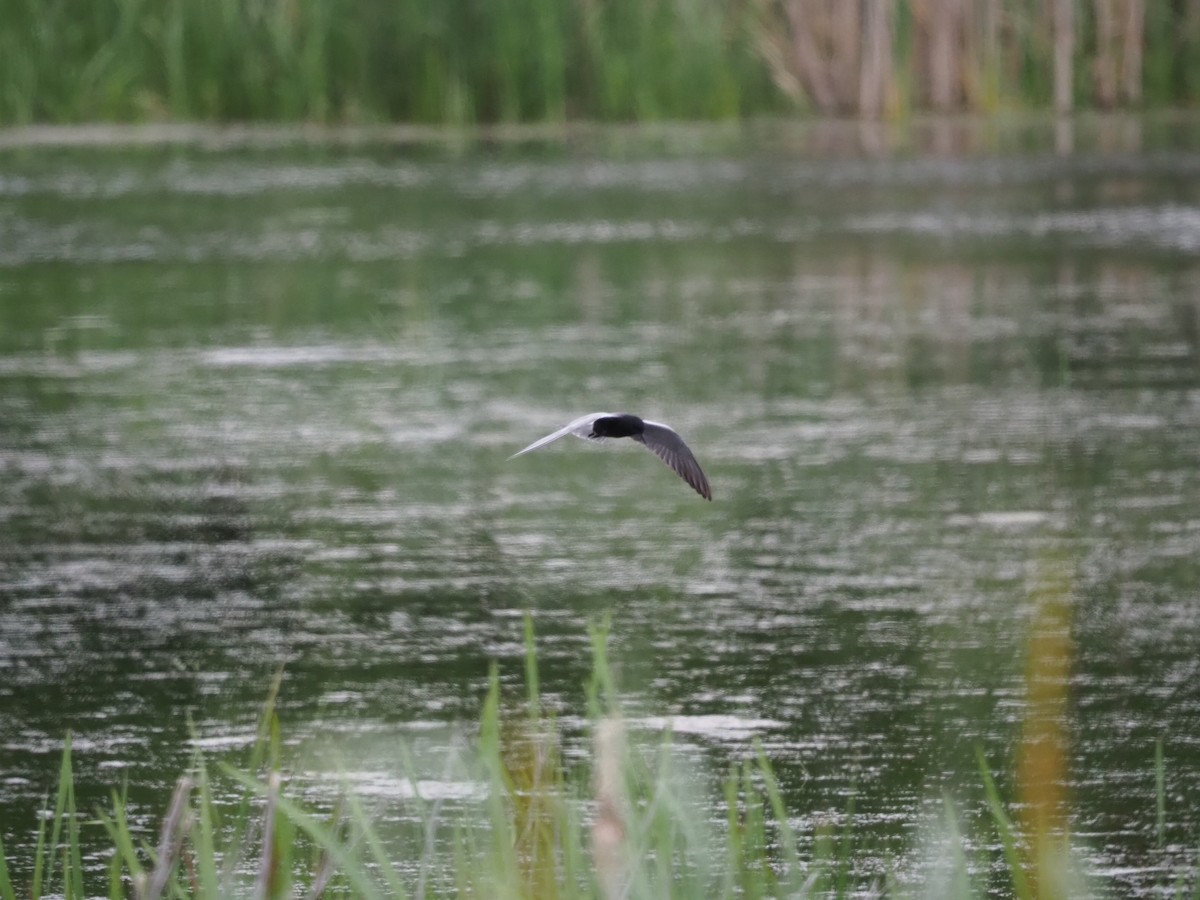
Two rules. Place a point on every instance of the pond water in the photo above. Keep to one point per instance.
(257, 404)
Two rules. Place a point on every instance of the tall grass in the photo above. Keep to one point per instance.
(418, 61)
(464, 61)
(636, 828)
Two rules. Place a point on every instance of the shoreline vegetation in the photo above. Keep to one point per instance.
(552, 61)
(637, 825)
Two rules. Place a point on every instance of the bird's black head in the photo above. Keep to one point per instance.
(622, 425)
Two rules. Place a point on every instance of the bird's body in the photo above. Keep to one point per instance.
(660, 439)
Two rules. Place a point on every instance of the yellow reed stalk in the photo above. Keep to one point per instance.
(1042, 761)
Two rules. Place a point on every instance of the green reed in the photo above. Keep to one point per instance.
(460, 62)
(629, 823)
(422, 61)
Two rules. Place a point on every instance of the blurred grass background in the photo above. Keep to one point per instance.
(470, 61)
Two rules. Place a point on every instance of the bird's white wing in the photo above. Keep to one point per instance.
(668, 446)
(581, 428)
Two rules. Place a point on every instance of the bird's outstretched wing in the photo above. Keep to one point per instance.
(668, 446)
(581, 428)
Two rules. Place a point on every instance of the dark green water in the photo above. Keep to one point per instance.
(256, 408)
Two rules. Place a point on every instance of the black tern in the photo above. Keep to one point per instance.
(661, 439)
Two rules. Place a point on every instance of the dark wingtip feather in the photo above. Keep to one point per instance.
(675, 453)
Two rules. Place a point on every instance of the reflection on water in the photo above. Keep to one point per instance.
(257, 409)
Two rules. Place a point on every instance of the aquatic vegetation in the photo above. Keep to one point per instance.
(553, 60)
(634, 829)
(516, 60)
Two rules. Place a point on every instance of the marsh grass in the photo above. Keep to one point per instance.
(343, 60)
(640, 826)
(454, 62)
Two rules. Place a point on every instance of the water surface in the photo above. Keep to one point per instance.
(257, 405)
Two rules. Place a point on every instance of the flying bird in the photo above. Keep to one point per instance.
(660, 439)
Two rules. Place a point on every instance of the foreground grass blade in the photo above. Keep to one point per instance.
(170, 841)
(44, 852)
(116, 887)
(117, 827)
(6, 888)
(1012, 856)
(73, 857)
(39, 856)
(65, 779)
(961, 877)
(787, 838)
(258, 754)
(379, 854)
(325, 838)
(531, 670)
(268, 860)
(203, 835)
